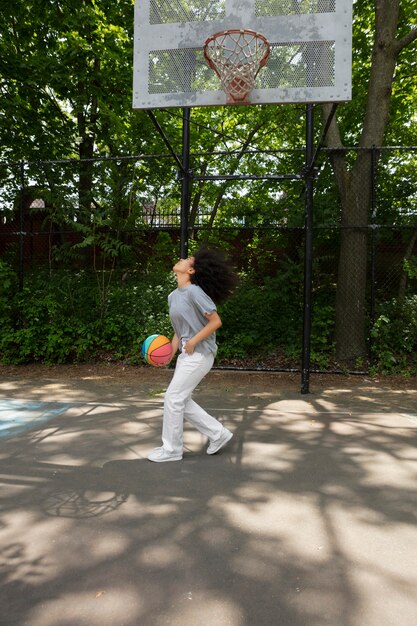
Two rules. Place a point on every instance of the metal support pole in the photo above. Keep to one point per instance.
(165, 139)
(21, 225)
(185, 182)
(308, 251)
(374, 158)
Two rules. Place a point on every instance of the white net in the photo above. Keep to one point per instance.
(237, 56)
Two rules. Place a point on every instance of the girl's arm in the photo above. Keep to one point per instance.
(214, 322)
(175, 345)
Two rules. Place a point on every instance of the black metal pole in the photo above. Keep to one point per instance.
(373, 241)
(308, 251)
(21, 225)
(185, 182)
(165, 139)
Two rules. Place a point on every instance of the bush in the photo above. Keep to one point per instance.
(75, 316)
(263, 318)
(394, 336)
(8, 287)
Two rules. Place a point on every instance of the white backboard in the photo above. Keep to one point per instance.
(310, 59)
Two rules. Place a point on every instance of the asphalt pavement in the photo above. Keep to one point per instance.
(307, 518)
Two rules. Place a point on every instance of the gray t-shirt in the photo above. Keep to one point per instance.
(187, 309)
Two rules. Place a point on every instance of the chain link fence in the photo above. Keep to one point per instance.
(117, 215)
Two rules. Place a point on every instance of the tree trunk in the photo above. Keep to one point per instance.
(197, 197)
(350, 333)
(87, 128)
(355, 185)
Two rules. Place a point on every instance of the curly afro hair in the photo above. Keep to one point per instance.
(214, 273)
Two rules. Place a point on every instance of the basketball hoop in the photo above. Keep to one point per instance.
(237, 55)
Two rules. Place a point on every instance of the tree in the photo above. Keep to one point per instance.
(394, 34)
(65, 85)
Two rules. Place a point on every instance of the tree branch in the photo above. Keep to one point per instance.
(334, 140)
(405, 41)
(226, 184)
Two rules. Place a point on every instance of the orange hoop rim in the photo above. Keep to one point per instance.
(253, 61)
(236, 31)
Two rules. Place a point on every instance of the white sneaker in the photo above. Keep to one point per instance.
(160, 455)
(215, 446)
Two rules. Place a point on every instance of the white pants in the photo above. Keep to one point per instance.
(178, 404)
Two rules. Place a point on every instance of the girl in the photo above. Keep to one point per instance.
(204, 280)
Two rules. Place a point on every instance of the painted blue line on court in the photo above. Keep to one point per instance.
(18, 416)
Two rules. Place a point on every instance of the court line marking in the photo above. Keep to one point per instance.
(19, 416)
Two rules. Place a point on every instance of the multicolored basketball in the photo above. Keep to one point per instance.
(157, 350)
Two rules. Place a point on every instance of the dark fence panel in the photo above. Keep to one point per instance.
(117, 214)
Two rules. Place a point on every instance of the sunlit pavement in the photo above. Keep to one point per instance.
(308, 517)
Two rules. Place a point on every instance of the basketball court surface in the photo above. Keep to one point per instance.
(308, 517)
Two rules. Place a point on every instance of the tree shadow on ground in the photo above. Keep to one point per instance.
(258, 534)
